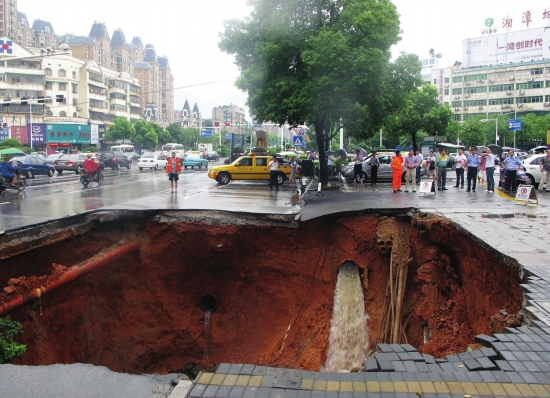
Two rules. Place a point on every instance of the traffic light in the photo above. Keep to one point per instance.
(227, 124)
(59, 98)
(238, 124)
(23, 102)
(216, 124)
(248, 139)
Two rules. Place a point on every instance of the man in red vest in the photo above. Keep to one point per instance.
(173, 168)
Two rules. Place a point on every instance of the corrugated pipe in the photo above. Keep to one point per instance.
(98, 261)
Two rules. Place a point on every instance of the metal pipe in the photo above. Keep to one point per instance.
(72, 273)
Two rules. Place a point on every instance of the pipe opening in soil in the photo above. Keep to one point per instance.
(146, 313)
(208, 303)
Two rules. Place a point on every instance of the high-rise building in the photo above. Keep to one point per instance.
(25, 35)
(230, 114)
(44, 35)
(166, 91)
(107, 55)
(8, 18)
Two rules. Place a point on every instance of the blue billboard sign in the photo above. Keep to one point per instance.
(206, 133)
(514, 125)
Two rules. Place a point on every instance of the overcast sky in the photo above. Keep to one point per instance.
(188, 33)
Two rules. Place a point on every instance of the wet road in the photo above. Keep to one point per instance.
(47, 198)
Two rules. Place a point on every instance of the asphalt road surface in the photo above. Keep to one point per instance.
(48, 198)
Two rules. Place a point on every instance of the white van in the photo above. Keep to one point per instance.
(127, 150)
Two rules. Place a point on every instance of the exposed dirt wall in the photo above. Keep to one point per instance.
(140, 314)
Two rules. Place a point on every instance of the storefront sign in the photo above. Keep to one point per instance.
(94, 134)
(19, 133)
(4, 134)
(69, 133)
(38, 133)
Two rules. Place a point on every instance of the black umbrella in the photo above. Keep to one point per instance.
(342, 153)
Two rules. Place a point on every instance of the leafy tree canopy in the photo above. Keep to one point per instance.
(121, 129)
(12, 142)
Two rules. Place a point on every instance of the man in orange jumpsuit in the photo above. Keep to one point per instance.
(397, 167)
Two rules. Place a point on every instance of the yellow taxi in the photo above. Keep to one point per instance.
(249, 167)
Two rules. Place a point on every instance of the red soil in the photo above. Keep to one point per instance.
(140, 314)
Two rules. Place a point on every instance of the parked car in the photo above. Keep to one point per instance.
(69, 163)
(32, 165)
(212, 155)
(151, 160)
(115, 160)
(248, 168)
(532, 168)
(385, 171)
(52, 158)
(193, 161)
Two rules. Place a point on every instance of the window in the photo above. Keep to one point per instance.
(457, 117)
(435, 81)
(134, 89)
(475, 103)
(96, 90)
(63, 114)
(529, 100)
(501, 101)
(446, 80)
(245, 162)
(426, 82)
(118, 96)
(49, 85)
(75, 102)
(472, 78)
(529, 85)
(47, 72)
(74, 74)
(501, 87)
(62, 86)
(472, 115)
(457, 104)
(120, 108)
(49, 113)
(473, 90)
(261, 162)
(61, 73)
(457, 79)
(95, 77)
(385, 159)
(75, 88)
(96, 103)
(446, 92)
(537, 71)
(547, 98)
(536, 161)
(134, 99)
(457, 91)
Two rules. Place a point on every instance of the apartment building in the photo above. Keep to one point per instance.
(44, 35)
(230, 114)
(166, 91)
(25, 35)
(8, 19)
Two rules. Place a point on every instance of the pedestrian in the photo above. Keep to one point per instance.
(292, 180)
(460, 162)
(442, 162)
(330, 162)
(374, 165)
(430, 169)
(472, 162)
(545, 169)
(511, 166)
(338, 166)
(410, 171)
(357, 167)
(173, 168)
(490, 169)
(419, 160)
(273, 171)
(482, 169)
(397, 171)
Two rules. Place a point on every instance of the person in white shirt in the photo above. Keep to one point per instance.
(490, 170)
(431, 161)
(460, 161)
(273, 171)
(330, 162)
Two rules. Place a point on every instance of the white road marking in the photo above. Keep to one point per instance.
(4, 203)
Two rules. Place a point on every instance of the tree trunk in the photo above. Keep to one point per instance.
(413, 136)
(320, 135)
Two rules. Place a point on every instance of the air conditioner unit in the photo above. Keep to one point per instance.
(456, 109)
(480, 107)
(468, 83)
(530, 79)
(511, 78)
(520, 105)
(466, 108)
(78, 108)
(481, 81)
(521, 92)
(546, 104)
(457, 96)
(508, 93)
(491, 81)
(505, 106)
(466, 95)
(446, 86)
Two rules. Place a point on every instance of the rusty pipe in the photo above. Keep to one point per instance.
(98, 261)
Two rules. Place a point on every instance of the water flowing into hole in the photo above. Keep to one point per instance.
(206, 334)
(348, 330)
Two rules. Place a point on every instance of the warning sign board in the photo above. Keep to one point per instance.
(526, 194)
(427, 188)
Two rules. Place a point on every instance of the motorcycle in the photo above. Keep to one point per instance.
(5, 184)
(86, 178)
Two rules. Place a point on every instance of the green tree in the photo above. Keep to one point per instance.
(9, 349)
(422, 112)
(175, 132)
(207, 123)
(121, 129)
(163, 135)
(12, 143)
(145, 135)
(315, 62)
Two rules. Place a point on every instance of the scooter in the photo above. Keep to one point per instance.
(5, 184)
(86, 178)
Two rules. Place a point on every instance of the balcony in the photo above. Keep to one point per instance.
(36, 109)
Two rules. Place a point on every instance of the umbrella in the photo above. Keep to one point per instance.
(342, 153)
(12, 151)
(362, 151)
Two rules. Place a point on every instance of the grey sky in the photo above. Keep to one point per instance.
(188, 32)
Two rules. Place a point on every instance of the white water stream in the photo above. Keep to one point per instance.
(348, 330)
(206, 334)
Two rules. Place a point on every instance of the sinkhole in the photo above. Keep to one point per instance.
(265, 292)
